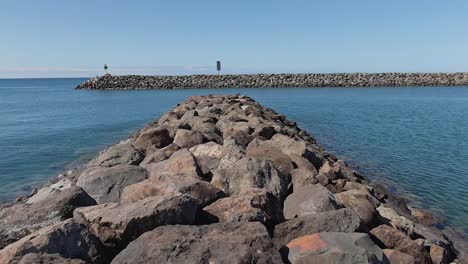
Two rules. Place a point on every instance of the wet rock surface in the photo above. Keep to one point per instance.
(219, 179)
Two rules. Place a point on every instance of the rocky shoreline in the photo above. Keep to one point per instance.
(219, 179)
(129, 82)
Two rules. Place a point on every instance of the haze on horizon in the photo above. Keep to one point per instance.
(52, 38)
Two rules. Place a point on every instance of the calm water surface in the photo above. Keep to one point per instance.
(413, 139)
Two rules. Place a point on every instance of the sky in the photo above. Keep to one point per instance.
(60, 38)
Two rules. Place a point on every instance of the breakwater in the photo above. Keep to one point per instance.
(276, 80)
(218, 179)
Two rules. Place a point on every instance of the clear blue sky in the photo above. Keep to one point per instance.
(45, 38)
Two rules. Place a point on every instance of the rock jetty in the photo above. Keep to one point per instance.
(275, 80)
(218, 179)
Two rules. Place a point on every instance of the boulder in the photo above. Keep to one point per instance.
(152, 136)
(68, 239)
(181, 162)
(234, 146)
(217, 243)
(389, 216)
(158, 155)
(247, 173)
(256, 205)
(302, 177)
(342, 220)
(423, 217)
(302, 163)
(281, 161)
(238, 134)
(361, 202)
(120, 154)
(209, 155)
(47, 259)
(331, 247)
(188, 138)
(431, 235)
(308, 200)
(105, 185)
(19, 220)
(397, 240)
(204, 192)
(438, 255)
(118, 224)
(397, 257)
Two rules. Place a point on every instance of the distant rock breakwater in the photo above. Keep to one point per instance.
(219, 179)
(275, 80)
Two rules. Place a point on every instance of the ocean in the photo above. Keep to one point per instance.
(413, 140)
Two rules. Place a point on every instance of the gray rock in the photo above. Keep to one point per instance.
(248, 173)
(397, 257)
(309, 200)
(121, 154)
(47, 259)
(209, 155)
(68, 239)
(105, 185)
(217, 243)
(158, 137)
(19, 220)
(281, 161)
(158, 155)
(361, 202)
(188, 138)
(181, 162)
(118, 224)
(341, 220)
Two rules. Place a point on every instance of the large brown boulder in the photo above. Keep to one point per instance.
(120, 154)
(281, 161)
(397, 257)
(361, 202)
(256, 205)
(34, 258)
(397, 240)
(118, 224)
(342, 220)
(309, 199)
(154, 155)
(158, 137)
(204, 192)
(188, 138)
(21, 219)
(248, 173)
(302, 177)
(67, 239)
(331, 247)
(217, 243)
(105, 185)
(181, 162)
(389, 216)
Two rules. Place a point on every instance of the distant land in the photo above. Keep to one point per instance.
(127, 82)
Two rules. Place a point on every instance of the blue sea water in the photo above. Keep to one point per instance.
(415, 140)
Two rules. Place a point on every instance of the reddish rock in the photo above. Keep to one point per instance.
(333, 248)
(439, 255)
(302, 177)
(397, 257)
(188, 138)
(281, 161)
(158, 137)
(397, 240)
(181, 162)
(242, 137)
(158, 155)
(209, 155)
(361, 202)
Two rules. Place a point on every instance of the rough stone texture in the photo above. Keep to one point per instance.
(121, 154)
(361, 202)
(256, 205)
(21, 219)
(390, 216)
(68, 239)
(397, 240)
(204, 192)
(209, 155)
(105, 185)
(439, 255)
(181, 162)
(158, 137)
(341, 220)
(281, 161)
(217, 243)
(34, 258)
(331, 247)
(309, 200)
(118, 224)
(188, 138)
(303, 177)
(157, 155)
(276, 80)
(249, 173)
(397, 257)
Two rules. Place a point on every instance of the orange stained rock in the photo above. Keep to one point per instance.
(307, 243)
